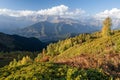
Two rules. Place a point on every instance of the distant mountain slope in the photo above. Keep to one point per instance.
(54, 31)
(15, 42)
(8, 24)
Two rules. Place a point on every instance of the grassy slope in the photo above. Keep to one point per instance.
(102, 53)
(99, 45)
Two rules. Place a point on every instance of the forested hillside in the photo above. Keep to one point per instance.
(19, 43)
(14, 46)
(89, 57)
(93, 56)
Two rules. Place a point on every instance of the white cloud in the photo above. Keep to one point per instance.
(60, 10)
(77, 13)
(14, 13)
(113, 13)
(57, 10)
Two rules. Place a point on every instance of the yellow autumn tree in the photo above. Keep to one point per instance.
(106, 30)
(25, 60)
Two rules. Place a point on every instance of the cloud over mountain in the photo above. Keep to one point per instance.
(60, 10)
(56, 13)
(113, 13)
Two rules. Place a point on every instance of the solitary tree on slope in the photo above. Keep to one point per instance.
(106, 30)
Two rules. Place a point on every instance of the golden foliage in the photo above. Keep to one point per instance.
(106, 30)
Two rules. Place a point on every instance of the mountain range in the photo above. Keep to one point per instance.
(47, 31)
(50, 28)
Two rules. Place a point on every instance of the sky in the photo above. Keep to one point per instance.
(90, 6)
(69, 8)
